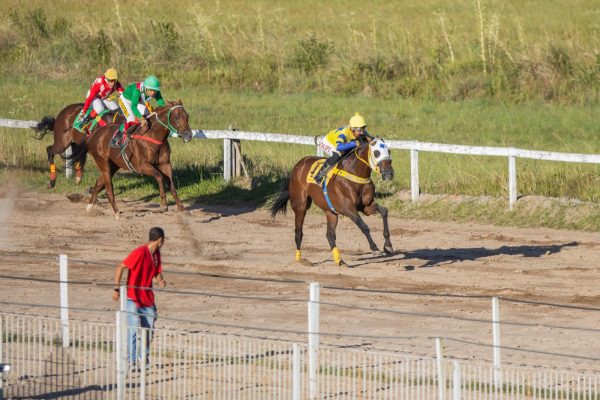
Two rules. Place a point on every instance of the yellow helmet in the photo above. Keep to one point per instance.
(357, 121)
(111, 74)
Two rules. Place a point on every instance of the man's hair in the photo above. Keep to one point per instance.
(155, 234)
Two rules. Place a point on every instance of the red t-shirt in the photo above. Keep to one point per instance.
(142, 269)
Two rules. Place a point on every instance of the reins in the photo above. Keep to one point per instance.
(169, 127)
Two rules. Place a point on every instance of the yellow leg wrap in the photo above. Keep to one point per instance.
(298, 255)
(52, 168)
(336, 255)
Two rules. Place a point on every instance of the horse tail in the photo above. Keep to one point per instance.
(79, 155)
(44, 126)
(280, 203)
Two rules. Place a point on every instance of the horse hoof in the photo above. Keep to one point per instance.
(343, 264)
(387, 250)
(377, 253)
(51, 184)
(89, 207)
(305, 262)
(77, 180)
(117, 215)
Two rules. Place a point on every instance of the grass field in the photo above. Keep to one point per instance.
(519, 74)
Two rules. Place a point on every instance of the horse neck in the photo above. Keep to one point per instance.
(159, 131)
(355, 166)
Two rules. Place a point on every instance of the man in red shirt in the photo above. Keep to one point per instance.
(144, 264)
(99, 97)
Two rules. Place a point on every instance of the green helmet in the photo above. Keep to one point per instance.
(152, 83)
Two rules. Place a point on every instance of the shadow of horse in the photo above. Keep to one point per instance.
(435, 257)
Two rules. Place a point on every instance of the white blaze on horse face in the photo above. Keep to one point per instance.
(379, 151)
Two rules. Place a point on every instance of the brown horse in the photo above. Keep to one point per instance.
(64, 136)
(147, 153)
(349, 190)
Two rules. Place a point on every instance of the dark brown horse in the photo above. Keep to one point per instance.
(64, 136)
(148, 153)
(349, 191)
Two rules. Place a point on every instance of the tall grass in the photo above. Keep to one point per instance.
(511, 50)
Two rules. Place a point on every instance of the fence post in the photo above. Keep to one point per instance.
(441, 372)
(313, 340)
(456, 382)
(296, 372)
(227, 159)
(68, 166)
(414, 175)
(496, 339)
(320, 152)
(512, 181)
(64, 299)
(121, 343)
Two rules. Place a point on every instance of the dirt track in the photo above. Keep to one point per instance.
(538, 265)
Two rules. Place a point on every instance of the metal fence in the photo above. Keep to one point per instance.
(230, 152)
(184, 365)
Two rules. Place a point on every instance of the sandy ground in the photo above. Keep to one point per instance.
(232, 271)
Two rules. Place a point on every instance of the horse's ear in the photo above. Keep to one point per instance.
(179, 102)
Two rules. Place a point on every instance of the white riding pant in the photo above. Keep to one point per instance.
(100, 105)
(328, 147)
(126, 108)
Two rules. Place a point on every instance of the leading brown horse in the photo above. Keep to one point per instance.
(349, 190)
(143, 155)
(64, 136)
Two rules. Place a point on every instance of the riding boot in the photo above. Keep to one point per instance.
(85, 119)
(330, 162)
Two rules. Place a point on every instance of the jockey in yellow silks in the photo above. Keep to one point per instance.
(339, 142)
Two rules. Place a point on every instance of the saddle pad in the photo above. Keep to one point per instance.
(314, 168)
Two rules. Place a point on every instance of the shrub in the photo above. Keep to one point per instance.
(311, 53)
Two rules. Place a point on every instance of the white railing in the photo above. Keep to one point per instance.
(413, 146)
(184, 364)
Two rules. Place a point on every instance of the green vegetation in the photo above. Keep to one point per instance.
(519, 74)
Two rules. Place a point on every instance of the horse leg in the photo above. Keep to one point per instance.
(332, 220)
(364, 228)
(168, 173)
(97, 189)
(61, 143)
(150, 170)
(387, 246)
(372, 209)
(300, 214)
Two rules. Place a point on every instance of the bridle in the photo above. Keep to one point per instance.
(168, 125)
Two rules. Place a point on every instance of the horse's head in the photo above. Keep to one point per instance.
(380, 159)
(176, 119)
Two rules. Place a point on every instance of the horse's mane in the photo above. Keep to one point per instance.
(168, 104)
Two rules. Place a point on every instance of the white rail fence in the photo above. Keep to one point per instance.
(54, 357)
(230, 156)
(184, 364)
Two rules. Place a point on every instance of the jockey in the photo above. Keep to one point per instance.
(339, 142)
(135, 101)
(98, 97)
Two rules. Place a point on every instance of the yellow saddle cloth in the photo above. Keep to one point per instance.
(316, 166)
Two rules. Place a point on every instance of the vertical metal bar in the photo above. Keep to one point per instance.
(414, 175)
(512, 181)
(144, 353)
(64, 299)
(456, 381)
(441, 372)
(313, 339)
(496, 339)
(227, 159)
(122, 344)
